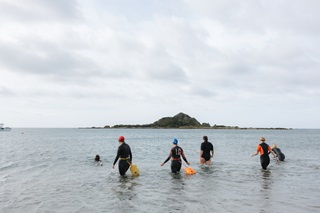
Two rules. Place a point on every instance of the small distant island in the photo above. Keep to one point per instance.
(179, 121)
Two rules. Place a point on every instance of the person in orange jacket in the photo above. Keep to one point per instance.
(264, 150)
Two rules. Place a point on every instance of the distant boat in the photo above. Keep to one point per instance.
(4, 128)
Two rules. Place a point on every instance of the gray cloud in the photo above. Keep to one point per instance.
(226, 56)
(39, 11)
(45, 59)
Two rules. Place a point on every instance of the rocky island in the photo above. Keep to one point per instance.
(179, 121)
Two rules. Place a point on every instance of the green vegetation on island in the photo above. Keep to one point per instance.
(180, 121)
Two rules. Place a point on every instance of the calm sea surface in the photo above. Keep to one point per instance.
(52, 170)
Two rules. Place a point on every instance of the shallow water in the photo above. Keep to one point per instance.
(52, 170)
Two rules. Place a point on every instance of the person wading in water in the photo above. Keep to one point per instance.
(205, 149)
(176, 153)
(264, 150)
(124, 155)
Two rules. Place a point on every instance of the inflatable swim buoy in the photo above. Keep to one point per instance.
(189, 171)
(134, 170)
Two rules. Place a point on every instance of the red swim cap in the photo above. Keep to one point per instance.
(121, 138)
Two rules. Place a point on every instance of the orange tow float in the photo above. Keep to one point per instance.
(189, 171)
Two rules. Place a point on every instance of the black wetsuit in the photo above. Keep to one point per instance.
(206, 147)
(124, 153)
(264, 158)
(175, 155)
(279, 154)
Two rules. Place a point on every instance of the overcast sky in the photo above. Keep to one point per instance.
(77, 63)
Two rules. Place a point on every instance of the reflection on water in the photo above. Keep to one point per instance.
(206, 169)
(127, 182)
(266, 179)
(126, 194)
(176, 175)
(175, 192)
(266, 189)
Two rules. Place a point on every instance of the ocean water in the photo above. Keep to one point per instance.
(52, 170)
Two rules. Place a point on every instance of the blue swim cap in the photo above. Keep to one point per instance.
(175, 141)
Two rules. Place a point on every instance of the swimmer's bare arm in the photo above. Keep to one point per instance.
(254, 154)
(274, 155)
(201, 152)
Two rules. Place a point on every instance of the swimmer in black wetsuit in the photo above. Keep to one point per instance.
(124, 155)
(264, 150)
(278, 152)
(205, 149)
(176, 153)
